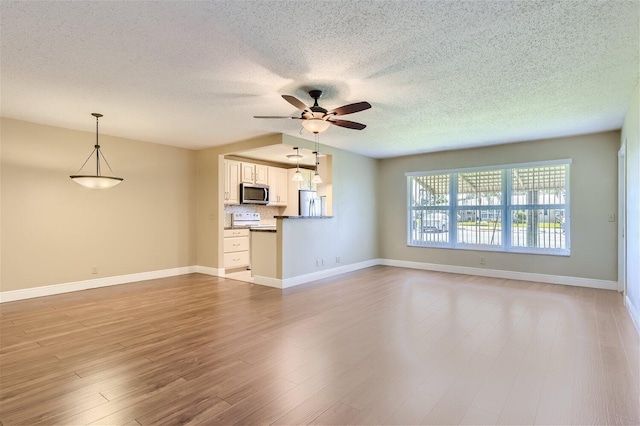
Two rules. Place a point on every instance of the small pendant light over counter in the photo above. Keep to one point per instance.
(316, 175)
(97, 181)
(297, 176)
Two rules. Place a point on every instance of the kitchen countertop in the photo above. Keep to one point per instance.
(261, 228)
(303, 217)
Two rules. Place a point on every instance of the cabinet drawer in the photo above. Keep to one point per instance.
(236, 244)
(236, 233)
(233, 260)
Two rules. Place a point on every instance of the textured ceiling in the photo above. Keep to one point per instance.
(440, 75)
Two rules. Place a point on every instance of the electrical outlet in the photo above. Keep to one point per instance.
(337, 259)
(482, 261)
(322, 262)
(94, 269)
(317, 262)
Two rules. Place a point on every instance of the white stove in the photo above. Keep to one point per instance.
(248, 220)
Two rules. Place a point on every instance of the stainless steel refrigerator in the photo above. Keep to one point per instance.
(309, 203)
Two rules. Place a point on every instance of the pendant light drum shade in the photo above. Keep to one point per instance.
(96, 181)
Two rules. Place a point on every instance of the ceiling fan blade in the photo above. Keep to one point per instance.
(348, 124)
(350, 109)
(295, 102)
(273, 116)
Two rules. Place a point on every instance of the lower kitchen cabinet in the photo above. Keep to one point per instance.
(236, 248)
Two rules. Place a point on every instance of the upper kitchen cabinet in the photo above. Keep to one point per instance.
(278, 186)
(254, 174)
(231, 182)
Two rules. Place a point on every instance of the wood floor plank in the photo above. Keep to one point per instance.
(382, 345)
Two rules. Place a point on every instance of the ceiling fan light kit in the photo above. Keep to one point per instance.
(97, 181)
(316, 125)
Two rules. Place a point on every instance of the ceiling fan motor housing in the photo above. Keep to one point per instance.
(316, 94)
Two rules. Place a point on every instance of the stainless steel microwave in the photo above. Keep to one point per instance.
(254, 194)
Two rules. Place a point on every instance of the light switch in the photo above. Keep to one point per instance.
(612, 218)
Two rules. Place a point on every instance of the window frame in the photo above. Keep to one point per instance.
(505, 207)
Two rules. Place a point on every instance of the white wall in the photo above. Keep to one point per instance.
(350, 234)
(631, 133)
(593, 198)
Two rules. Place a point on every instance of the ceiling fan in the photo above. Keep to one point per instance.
(317, 119)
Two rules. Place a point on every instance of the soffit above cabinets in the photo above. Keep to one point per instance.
(278, 154)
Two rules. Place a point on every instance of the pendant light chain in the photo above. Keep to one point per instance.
(97, 147)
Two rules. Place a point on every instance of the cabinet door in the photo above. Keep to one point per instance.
(226, 181)
(231, 182)
(283, 186)
(261, 174)
(277, 186)
(273, 187)
(247, 172)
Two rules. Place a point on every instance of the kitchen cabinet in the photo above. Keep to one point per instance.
(236, 248)
(278, 186)
(254, 174)
(231, 182)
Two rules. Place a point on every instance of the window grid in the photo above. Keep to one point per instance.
(516, 209)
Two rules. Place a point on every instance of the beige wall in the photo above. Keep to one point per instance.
(593, 198)
(54, 230)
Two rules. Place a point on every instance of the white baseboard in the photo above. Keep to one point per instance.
(29, 293)
(267, 281)
(209, 271)
(13, 295)
(512, 275)
(306, 278)
(326, 273)
(635, 316)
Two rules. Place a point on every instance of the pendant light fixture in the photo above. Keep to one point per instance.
(297, 176)
(316, 176)
(97, 181)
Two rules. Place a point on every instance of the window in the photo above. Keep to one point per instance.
(516, 208)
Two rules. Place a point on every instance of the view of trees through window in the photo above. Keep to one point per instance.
(511, 209)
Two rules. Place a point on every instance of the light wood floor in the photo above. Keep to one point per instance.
(379, 346)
